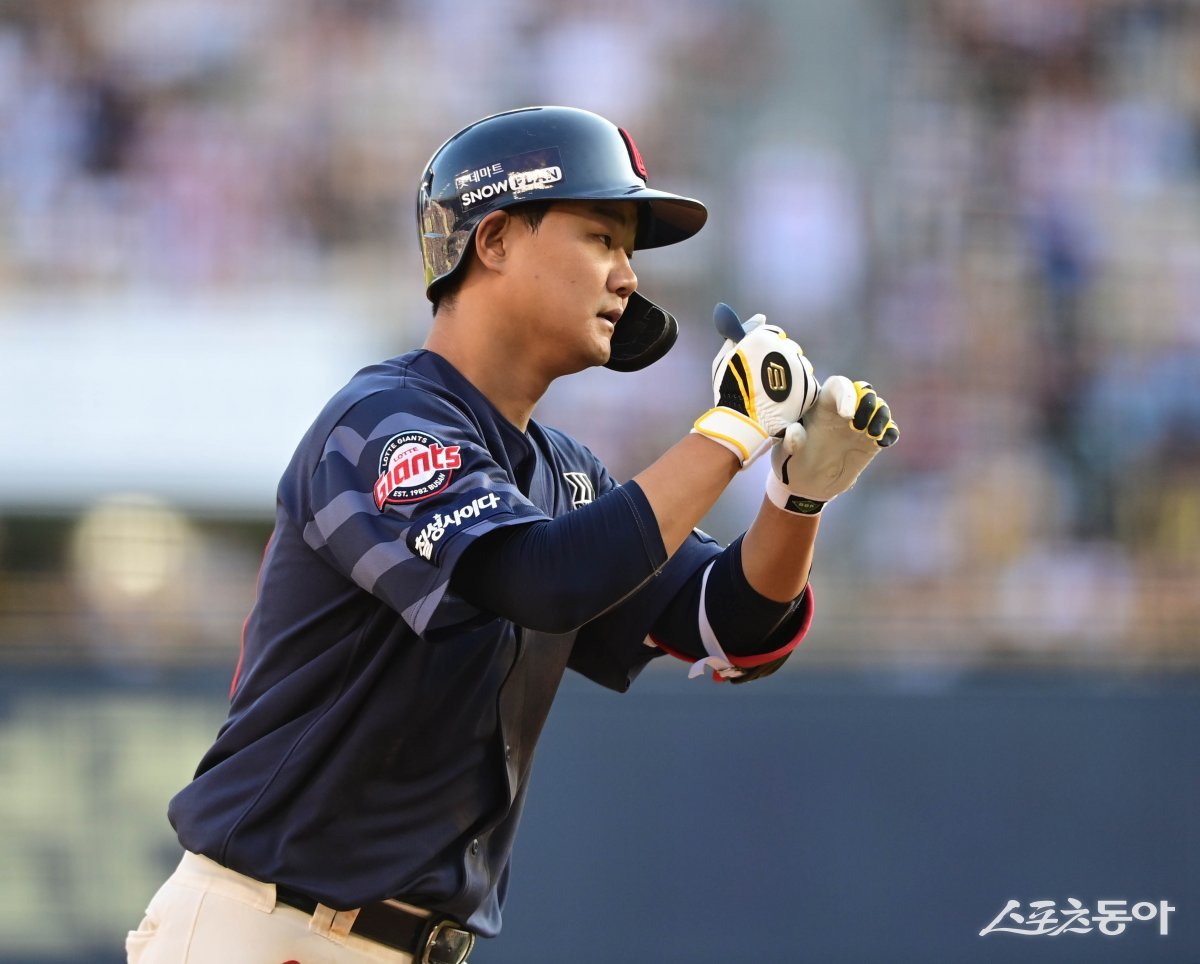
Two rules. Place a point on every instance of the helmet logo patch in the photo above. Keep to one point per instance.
(518, 175)
(634, 154)
(467, 178)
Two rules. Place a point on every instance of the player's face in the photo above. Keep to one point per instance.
(576, 277)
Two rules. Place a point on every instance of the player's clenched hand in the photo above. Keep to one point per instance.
(761, 384)
(824, 453)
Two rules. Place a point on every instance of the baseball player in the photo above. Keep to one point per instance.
(440, 558)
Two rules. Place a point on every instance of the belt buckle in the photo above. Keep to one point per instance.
(447, 944)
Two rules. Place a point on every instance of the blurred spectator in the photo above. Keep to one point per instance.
(988, 207)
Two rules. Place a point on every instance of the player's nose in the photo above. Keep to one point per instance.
(622, 280)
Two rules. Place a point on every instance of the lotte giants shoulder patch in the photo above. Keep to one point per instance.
(414, 465)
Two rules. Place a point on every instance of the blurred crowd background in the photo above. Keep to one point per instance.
(988, 208)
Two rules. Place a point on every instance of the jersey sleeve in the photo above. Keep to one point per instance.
(403, 484)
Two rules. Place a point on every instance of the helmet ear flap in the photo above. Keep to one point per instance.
(644, 333)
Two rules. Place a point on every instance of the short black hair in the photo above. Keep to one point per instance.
(445, 291)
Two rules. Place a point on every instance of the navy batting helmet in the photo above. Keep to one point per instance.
(550, 153)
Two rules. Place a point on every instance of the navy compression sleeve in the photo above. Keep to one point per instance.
(557, 574)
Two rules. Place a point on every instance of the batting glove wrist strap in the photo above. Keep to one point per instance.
(783, 497)
(743, 436)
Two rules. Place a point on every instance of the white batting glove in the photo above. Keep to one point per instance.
(823, 454)
(761, 384)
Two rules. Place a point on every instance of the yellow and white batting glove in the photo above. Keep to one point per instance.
(761, 383)
(823, 454)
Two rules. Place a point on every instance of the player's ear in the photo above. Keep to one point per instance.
(493, 238)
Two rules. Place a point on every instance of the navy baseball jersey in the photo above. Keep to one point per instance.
(381, 726)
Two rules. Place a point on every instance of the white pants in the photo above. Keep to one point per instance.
(207, 914)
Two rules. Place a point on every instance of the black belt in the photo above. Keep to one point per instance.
(430, 940)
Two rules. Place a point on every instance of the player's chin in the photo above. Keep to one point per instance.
(604, 342)
(588, 355)
(598, 349)
(583, 362)
(602, 354)
(604, 350)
